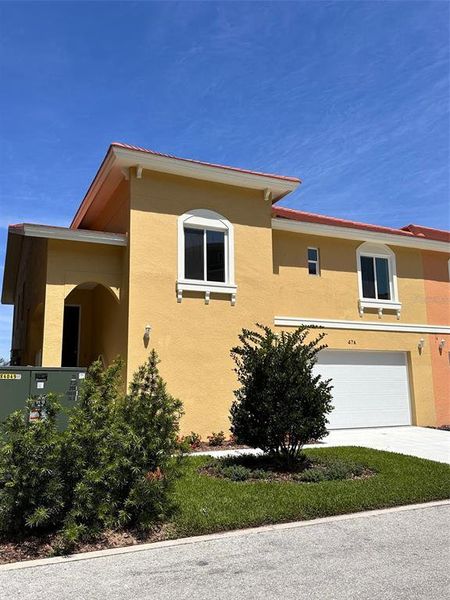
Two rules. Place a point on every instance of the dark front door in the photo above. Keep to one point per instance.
(71, 333)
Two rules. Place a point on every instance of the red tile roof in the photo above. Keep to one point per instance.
(409, 230)
(441, 235)
(200, 162)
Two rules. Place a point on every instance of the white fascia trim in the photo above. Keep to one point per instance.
(175, 166)
(362, 325)
(75, 235)
(350, 233)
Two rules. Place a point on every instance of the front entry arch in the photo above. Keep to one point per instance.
(90, 331)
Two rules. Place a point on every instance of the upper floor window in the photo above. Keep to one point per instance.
(377, 278)
(313, 261)
(205, 254)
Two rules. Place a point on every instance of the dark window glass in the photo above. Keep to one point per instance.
(368, 277)
(215, 256)
(193, 254)
(382, 269)
(312, 253)
(312, 268)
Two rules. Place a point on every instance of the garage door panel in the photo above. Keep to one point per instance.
(370, 389)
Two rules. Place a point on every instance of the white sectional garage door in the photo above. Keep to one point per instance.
(370, 389)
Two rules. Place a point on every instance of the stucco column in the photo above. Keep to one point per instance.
(53, 325)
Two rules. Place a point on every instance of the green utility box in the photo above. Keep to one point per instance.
(17, 384)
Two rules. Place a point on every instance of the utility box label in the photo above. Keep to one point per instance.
(10, 376)
(38, 411)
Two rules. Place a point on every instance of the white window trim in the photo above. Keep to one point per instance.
(378, 251)
(317, 262)
(206, 220)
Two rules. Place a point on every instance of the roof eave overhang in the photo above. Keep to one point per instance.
(361, 235)
(118, 160)
(74, 235)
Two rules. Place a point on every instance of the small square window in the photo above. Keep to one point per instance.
(313, 261)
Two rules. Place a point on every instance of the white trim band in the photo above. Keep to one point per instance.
(362, 325)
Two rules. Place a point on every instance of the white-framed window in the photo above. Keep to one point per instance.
(313, 261)
(205, 254)
(377, 278)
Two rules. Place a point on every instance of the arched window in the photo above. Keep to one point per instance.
(205, 254)
(377, 278)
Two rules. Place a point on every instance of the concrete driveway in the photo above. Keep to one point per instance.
(432, 444)
(400, 554)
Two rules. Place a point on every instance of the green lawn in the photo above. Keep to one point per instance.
(208, 504)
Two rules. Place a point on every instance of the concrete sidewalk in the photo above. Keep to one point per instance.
(398, 554)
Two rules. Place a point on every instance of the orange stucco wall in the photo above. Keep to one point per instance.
(437, 295)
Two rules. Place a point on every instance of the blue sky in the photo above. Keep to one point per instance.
(353, 97)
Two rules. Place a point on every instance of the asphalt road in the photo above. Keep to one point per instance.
(397, 555)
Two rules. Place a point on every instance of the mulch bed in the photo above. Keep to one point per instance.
(280, 476)
(229, 445)
(441, 427)
(44, 547)
(206, 447)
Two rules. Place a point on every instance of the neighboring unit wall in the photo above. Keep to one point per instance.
(334, 295)
(193, 339)
(437, 293)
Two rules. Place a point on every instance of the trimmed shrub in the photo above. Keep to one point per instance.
(281, 403)
(120, 451)
(31, 477)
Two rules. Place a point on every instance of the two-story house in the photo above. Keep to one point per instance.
(180, 255)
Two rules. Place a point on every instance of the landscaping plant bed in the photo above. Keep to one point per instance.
(207, 447)
(270, 469)
(44, 547)
(208, 504)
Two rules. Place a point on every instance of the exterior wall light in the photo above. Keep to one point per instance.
(148, 329)
(421, 344)
(441, 345)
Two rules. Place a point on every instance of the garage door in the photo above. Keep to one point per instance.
(370, 389)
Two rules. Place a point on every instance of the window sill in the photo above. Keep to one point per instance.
(208, 287)
(380, 305)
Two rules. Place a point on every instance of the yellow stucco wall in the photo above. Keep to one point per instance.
(70, 264)
(194, 339)
(334, 294)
